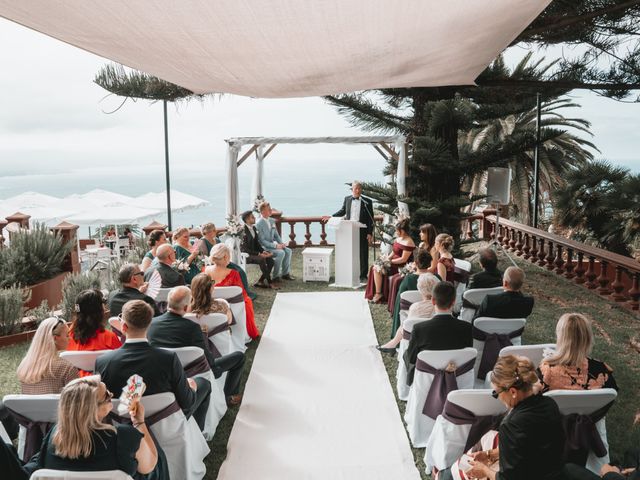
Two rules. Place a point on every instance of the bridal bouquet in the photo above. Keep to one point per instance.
(180, 266)
(382, 264)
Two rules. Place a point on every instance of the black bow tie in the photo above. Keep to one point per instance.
(355, 198)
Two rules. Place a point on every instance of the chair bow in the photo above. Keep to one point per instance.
(479, 424)
(581, 435)
(199, 365)
(493, 343)
(35, 433)
(443, 382)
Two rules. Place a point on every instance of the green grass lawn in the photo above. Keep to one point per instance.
(614, 327)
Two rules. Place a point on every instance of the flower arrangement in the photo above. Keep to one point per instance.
(234, 226)
(407, 269)
(259, 200)
(382, 264)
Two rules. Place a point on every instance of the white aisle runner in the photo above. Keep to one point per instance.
(318, 403)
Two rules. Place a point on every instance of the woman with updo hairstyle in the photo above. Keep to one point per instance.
(223, 276)
(403, 247)
(88, 329)
(530, 438)
(156, 238)
(570, 367)
(185, 253)
(445, 264)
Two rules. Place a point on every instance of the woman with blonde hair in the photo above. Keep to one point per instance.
(570, 367)
(423, 309)
(223, 276)
(42, 371)
(82, 441)
(186, 253)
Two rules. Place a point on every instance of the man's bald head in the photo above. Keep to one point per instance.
(178, 299)
(164, 253)
(513, 278)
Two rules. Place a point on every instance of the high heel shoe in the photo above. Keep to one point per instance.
(392, 351)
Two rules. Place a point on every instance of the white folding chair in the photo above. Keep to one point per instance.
(4, 436)
(83, 359)
(35, 408)
(535, 353)
(189, 355)
(585, 402)
(163, 295)
(498, 326)
(447, 440)
(410, 297)
(475, 296)
(180, 439)
(419, 425)
(401, 373)
(239, 335)
(462, 272)
(46, 474)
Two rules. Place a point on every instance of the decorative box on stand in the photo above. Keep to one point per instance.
(316, 264)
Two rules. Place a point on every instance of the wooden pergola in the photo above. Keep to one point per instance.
(390, 147)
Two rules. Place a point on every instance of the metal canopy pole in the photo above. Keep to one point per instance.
(536, 166)
(166, 164)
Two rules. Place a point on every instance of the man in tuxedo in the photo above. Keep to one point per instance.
(490, 276)
(257, 254)
(356, 207)
(166, 256)
(133, 288)
(509, 304)
(160, 369)
(270, 240)
(441, 332)
(172, 330)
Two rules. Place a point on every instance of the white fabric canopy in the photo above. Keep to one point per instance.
(289, 48)
(179, 201)
(118, 214)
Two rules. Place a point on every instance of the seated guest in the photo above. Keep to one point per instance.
(629, 468)
(410, 282)
(445, 268)
(42, 371)
(403, 247)
(569, 367)
(442, 332)
(88, 330)
(490, 276)
(531, 437)
(270, 240)
(257, 254)
(166, 257)
(173, 330)
(129, 234)
(428, 234)
(206, 243)
(185, 253)
(156, 238)
(83, 441)
(509, 304)
(160, 369)
(133, 288)
(224, 276)
(202, 301)
(423, 309)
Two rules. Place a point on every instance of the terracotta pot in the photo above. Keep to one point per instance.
(49, 290)
(16, 338)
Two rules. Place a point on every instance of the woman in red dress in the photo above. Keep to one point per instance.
(403, 247)
(226, 277)
(446, 266)
(88, 330)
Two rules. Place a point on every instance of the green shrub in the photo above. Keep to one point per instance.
(12, 301)
(39, 313)
(71, 288)
(34, 255)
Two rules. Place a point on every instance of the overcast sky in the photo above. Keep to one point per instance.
(52, 118)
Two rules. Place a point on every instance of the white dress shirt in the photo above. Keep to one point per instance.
(355, 209)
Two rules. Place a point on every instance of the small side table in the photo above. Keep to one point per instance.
(316, 264)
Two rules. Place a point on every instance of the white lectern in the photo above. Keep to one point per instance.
(347, 267)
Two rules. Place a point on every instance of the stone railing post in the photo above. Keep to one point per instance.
(69, 233)
(154, 225)
(277, 216)
(19, 218)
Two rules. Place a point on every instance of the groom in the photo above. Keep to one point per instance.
(356, 207)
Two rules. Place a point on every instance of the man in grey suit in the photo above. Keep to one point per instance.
(271, 242)
(166, 256)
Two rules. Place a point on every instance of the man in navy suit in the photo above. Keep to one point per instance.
(356, 207)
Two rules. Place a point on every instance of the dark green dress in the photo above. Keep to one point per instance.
(409, 282)
(181, 255)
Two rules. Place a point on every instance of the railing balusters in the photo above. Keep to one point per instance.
(618, 286)
(526, 247)
(634, 292)
(603, 280)
(307, 235)
(580, 269)
(541, 254)
(559, 261)
(534, 249)
(519, 244)
(292, 235)
(323, 233)
(550, 257)
(568, 268)
(512, 240)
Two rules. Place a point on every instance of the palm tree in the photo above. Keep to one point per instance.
(560, 153)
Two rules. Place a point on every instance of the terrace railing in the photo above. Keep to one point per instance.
(287, 227)
(609, 274)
